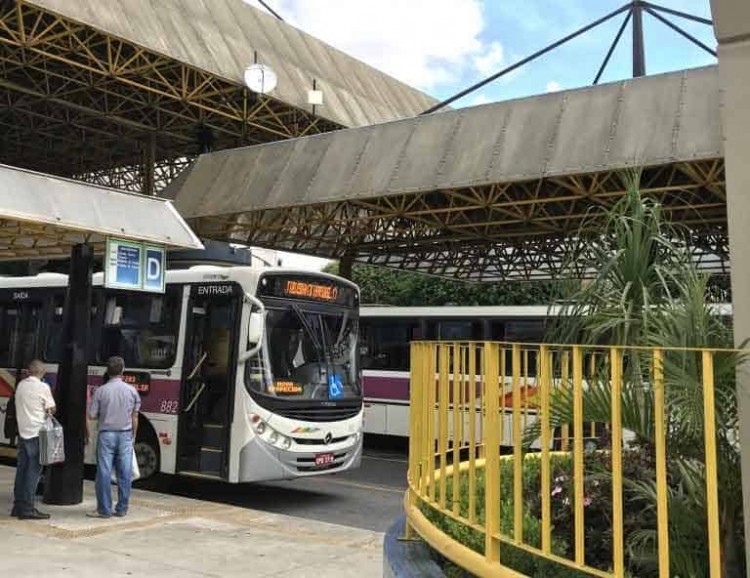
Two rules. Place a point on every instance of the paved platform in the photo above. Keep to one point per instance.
(169, 536)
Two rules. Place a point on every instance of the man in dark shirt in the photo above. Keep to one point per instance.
(115, 405)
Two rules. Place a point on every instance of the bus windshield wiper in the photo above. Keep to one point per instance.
(310, 331)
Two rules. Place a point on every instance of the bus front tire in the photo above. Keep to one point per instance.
(146, 451)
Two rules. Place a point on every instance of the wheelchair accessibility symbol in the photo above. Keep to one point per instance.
(335, 387)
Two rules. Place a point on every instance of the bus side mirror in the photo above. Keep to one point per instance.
(255, 327)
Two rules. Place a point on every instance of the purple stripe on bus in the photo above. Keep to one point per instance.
(163, 396)
(386, 387)
(397, 388)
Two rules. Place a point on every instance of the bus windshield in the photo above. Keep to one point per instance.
(308, 354)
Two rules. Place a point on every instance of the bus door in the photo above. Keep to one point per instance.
(208, 380)
(20, 340)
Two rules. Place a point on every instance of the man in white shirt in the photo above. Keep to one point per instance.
(34, 402)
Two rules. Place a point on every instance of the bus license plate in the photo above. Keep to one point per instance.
(323, 459)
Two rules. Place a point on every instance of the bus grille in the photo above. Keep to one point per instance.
(318, 413)
(319, 442)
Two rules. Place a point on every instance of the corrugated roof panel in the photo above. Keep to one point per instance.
(354, 105)
(140, 16)
(332, 67)
(584, 131)
(270, 163)
(174, 41)
(199, 186)
(530, 129)
(646, 121)
(700, 114)
(336, 100)
(420, 166)
(380, 159)
(251, 25)
(478, 140)
(339, 165)
(295, 179)
(299, 53)
(215, 39)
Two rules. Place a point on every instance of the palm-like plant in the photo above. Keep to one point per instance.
(646, 291)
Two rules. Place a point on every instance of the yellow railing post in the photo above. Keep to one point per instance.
(492, 453)
(416, 387)
(578, 453)
(662, 514)
(712, 490)
(457, 415)
(517, 450)
(565, 382)
(443, 421)
(472, 431)
(618, 540)
(545, 375)
(429, 412)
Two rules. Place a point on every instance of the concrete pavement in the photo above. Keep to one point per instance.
(170, 536)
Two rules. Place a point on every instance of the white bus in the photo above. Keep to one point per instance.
(244, 374)
(385, 334)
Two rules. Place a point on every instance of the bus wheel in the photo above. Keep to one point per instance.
(146, 451)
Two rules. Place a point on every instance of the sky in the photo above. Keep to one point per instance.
(444, 46)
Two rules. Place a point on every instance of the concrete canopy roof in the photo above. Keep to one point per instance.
(222, 37)
(456, 193)
(124, 93)
(43, 217)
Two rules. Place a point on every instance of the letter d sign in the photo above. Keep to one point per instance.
(154, 277)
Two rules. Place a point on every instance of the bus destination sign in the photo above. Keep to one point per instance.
(309, 289)
(140, 380)
(316, 291)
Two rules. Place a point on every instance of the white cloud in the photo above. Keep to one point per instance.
(479, 99)
(553, 86)
(424, 43)
(489, 62)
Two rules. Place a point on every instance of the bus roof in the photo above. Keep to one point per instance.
(458, 311)
(481, 311)
(246, 276)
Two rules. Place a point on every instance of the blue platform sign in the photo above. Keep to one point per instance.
(134, 266)
(155, 269)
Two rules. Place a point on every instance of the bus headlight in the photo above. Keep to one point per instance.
(273, 438)
(260, 427)
(286, 443)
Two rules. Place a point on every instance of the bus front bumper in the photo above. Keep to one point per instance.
(260, 461)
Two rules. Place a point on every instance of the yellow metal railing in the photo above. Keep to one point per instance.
(472, 402)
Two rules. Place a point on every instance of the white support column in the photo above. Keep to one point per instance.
(732, 27)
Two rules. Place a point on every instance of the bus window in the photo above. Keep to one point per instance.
(459, 330)
(386, 342)
(20, 333)
(8, 329)
(528, 331)
(497, 330)
(53, 349)
(141, 328)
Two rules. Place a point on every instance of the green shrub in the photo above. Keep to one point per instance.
(597, 512)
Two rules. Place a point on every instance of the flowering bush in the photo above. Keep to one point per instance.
(597, 512)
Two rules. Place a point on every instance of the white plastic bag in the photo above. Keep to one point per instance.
(51, 443)
(134, 474)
